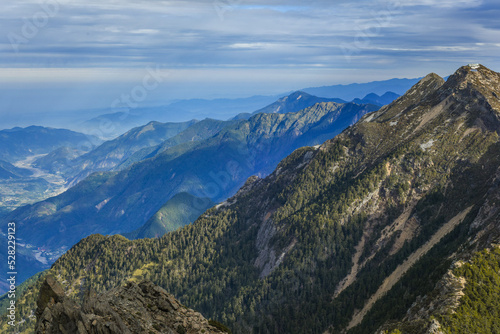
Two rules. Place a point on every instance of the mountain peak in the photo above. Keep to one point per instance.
(472, 91)
(294, 102)
(480, 86)
(295, 96)
(427, 86)
(477, 76)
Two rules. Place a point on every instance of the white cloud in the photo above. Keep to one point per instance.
(144, 31)
(61, 75)
(93, 37)
(443, 3)
(252, 45)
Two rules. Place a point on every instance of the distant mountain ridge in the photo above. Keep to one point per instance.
(291, 103)
(148, 140)
(121, 202)
(121, 121)
(355, 90)
(19, 143)
(382, 100)
(300, 100)
(131, 147)
(201, 130)
(113, 152)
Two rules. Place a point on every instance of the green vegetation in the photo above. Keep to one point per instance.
(220, 326)
(198, 131)
(479, 309)
(124, 201)
(114, 152)
(179, 211)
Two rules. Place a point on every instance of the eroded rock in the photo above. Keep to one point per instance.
(133, 308)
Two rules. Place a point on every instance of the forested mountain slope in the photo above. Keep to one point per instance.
(345, 236)
(214, 168)
(111, 153)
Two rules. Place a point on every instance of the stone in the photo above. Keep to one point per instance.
(132, 308)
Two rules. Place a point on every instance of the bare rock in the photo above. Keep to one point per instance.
(133, 308)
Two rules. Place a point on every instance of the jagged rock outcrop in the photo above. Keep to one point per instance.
(133, 308)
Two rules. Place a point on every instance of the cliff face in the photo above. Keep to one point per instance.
(133, 308)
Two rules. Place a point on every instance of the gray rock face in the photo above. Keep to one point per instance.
(133, 308)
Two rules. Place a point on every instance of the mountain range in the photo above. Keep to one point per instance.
(352, 91)
(59, 159)
(112, 124)
(116, 123)
(113, 152)
(141, 143)
(19, 143)
(390, 226)
(290, 103)
(382, 100)
(210, 169)
(144, 141)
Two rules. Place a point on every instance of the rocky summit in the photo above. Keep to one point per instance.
(132, 308)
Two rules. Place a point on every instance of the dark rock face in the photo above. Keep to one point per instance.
(133, 308)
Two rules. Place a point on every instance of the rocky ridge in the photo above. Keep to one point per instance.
(132, 308)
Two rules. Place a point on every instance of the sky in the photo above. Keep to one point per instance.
(63, 55)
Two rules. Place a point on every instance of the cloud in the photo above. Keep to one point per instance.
(443, 3)
(252, 45)
(397, 38)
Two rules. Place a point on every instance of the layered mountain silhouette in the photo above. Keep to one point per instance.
(120, 121)
(112, 153)
(146, 141)
(20, 143)
(199, 131)
(363, 233)
(356, 90)
(210, 169)
(291, 103)
(382, 100)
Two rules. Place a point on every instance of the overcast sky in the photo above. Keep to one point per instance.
(84, 52)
